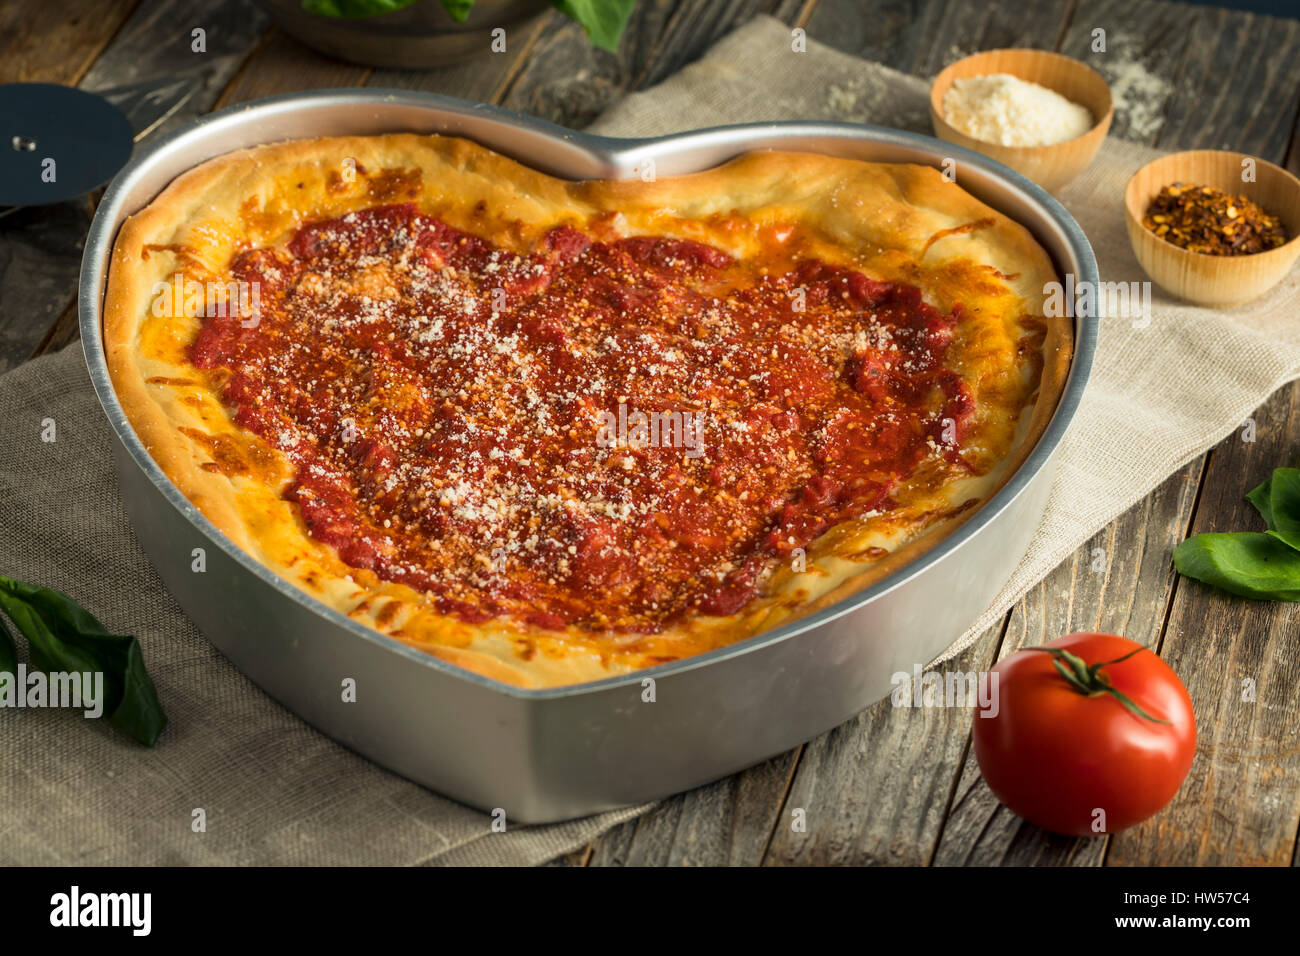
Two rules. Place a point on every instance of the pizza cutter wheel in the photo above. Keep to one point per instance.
(57, 143)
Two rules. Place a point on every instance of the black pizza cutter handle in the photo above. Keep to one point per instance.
(61, 142)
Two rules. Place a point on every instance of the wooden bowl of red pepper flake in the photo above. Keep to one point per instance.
(1214, 227)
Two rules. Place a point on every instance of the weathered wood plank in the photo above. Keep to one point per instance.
(42, 42)
(893, 32)
(727, 823)
(793, 12)
(568, 82)
(966, 28)
(1292, 161)
(1145, 41)
(157, 43)
(1120, 582)
(922, 37)
(981, 832)
(62, 332)
(484, 78)
(1241, 802)
(1237, 85)
(40, 258)
(283, 65)
(876, 790)
(692, 29)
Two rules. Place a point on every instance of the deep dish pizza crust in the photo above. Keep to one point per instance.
(893, 222)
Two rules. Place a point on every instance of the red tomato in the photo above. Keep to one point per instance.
(1055, 755)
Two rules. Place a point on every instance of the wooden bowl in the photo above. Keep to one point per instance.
(1049, 166)
(1197, 276)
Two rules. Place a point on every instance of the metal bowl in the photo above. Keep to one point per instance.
(545, 755)
(420, 36)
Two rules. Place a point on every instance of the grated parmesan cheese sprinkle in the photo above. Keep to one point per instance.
(444, 401)
(1009, 111)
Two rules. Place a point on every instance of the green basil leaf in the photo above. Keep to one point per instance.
(356, 9)
(1284, 499)
(1248, 564)
(604, 20)
(64, 636)
(1261, 498)
(8, 651)
(458, 9)
(1289, 538)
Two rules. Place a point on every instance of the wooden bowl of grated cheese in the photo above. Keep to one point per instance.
(1043, 114)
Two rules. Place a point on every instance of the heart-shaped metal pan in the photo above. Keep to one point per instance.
(544, 755)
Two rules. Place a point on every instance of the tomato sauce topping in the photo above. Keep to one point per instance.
(607, 434)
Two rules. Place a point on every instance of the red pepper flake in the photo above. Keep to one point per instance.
(1208, 220)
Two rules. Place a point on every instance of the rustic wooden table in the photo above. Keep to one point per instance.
(892, 785)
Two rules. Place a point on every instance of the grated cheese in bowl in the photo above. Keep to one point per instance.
(1004, 109)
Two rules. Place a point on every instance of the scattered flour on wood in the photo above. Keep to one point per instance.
(880, 99)
(1139, 94)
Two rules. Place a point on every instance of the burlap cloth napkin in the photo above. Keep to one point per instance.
(275, 791)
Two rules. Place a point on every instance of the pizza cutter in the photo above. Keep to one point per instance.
(60, 142)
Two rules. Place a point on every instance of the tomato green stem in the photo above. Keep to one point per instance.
(1089, 680)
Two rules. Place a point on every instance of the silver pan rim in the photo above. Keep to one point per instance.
(589, 154)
